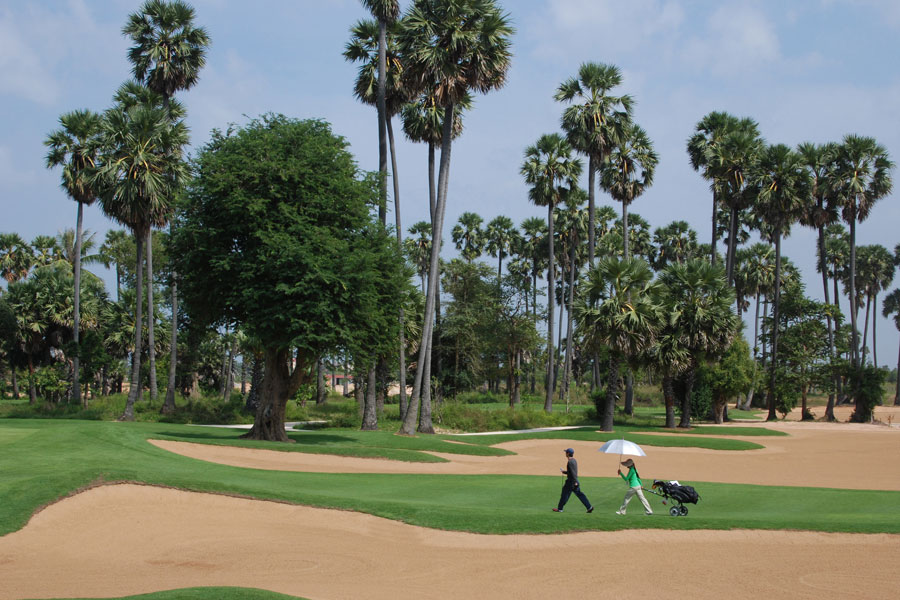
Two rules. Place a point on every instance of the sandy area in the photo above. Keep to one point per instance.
(814, 454)
(128, 539)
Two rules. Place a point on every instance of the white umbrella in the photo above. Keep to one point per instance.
(621, 447)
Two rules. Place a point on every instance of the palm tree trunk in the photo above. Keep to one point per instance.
(425, 424)
(556, 362)
(168, 406)
(669, 396)
(625, 236)
(874, 337)
(76, 329)
(591, 209)
(409, 423)
(151, 342)
(865, 337)
(431, 184)
(551, 281)
(854, 338)
(829, 408)
(135, 389)
(568, 364)
(775, 327)
(732, 245)
(32, 392)
(534, 315)
(897, 389)
(752, 390)
(402, 337)
(382, 120)
(612, 390)
(714, 232)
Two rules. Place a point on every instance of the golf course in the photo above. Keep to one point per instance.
(788, 509)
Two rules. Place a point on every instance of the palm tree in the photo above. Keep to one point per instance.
(891, 306)
(862, 177)
(46, 250)
(696, 301)
(501, 237)
(167, 56)
(418, 248)
(552, 172)
(16, 257)
(618, 311)
(75, 147)
(449, 50)
(468, 236)
(674, 243)
(594, 124)
(875, 274)
(114, 251)
(710, 132)
(782, 183)
(629, 171)
(573, 227)
(731, 160)
(140, 173)
(386, 13)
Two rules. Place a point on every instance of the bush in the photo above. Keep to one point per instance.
(867, 385)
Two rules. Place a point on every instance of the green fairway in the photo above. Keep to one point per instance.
(43, 461)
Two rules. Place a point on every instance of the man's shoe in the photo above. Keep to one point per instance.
(619, 512)
(649, 514)
(590, 510)
(557, 510)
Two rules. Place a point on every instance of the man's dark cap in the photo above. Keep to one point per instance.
(570, 452)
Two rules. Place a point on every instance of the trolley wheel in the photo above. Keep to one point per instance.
(674, 511)
(684, 511)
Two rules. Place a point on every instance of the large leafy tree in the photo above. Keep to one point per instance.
(618, 312)
(629, 172)
(167, 56)
(276, 237)
(141, 171)
(552, 172)
(782, 184)
(862, 177)
(450, 49)
(594, 122)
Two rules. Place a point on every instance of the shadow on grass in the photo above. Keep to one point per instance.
(318, 439)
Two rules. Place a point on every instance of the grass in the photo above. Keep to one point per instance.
(45, 460)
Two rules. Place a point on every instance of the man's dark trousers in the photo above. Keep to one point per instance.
(570, 487)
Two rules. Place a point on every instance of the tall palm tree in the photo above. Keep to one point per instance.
(386, 13)
(141, 170)
(552, 172)
(709, 133)
(891, 306)
(629, 171)
(167, 55)
(617, 311)
(468, 236)
(450, 49)
(573, 223)
(732, 160)
(75, 147)
(696, 301)
(16, 257)
(875, 274)
(862, 177)
(594, 122)
(501, 237)
(782, 182)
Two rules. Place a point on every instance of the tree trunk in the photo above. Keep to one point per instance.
(168, 406)
(135, 391)
(556, 362)
(551, 296)
(715, 234)
(874, 336)
(15, 383)
(865, 337)
(256, 376)
(382, 120)
(243, 375)
(569, 326)
(669, 396)
(425, 423)
(732, 246)
(592, 217)
(629, 393)
(612, 390)
(829, 408)
(854, 338)
(229, 373)
(76, 308)
(685, 422)
(432, 190)
(32, 392)
(776, 326)
(517, 380)
(278, 386)
(370, 415)
(195, 394)
(151, 320)
(625, 235)
(402, 336)
(321, 393)
(345, 385)
(803, 409)
(409, 422)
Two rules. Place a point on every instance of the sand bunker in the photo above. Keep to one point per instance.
(813, 455)
(127, 539)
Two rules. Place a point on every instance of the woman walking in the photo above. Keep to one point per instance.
(634, 487)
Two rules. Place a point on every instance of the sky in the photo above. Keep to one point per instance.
(805, 70)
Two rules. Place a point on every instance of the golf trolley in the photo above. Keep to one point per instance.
(679, 494)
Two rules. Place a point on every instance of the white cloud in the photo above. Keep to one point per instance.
(737, 38)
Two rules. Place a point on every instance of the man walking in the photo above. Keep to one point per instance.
(571, 484)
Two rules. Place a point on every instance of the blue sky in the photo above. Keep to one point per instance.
(806, 70)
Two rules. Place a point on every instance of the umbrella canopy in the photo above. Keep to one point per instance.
(621, 447)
